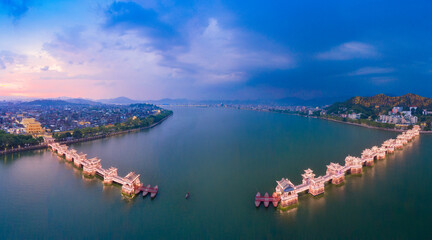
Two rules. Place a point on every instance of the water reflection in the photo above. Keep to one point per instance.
(288, 214)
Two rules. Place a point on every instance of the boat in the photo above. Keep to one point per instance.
(266, 200)
(275, 200)
(257, 202)
(145, 190)
(187, 195)
(153, 194)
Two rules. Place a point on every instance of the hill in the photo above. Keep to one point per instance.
(47, 102)
(119, 101)
(81, 101)
(380, 104)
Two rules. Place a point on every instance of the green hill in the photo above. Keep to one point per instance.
(380, 104)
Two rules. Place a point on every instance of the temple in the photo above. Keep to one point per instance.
(355, 164)
(90, 166)
(316, 187)
(367, 157)
(131, 184)
(287, 193)
(109, 175)
(337, 175)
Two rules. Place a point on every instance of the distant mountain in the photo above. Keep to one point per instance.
(47, 102)
(284, 101)
(82, 101)
(119, 101)
(172, 101)
(380, 103)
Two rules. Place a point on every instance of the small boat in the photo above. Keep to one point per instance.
(257, 202)
(153, 194)
(187, 195)
(275, 199)
(145, 190)
(266, 200)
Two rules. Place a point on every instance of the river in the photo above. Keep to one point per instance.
(223, 157)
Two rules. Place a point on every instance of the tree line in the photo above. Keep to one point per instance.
(10, 141)
(129, 124)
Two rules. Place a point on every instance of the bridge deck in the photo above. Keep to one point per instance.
(374, 153)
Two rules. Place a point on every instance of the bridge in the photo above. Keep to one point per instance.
(286, 193)
(131, 184)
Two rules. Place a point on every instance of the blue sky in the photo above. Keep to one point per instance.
(215, 49)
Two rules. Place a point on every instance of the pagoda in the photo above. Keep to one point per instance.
(316, 186)
(355, 164)
(368, 157)
(285, 189)
(335, 171)
(110, 173)
(131, 184)
(90, 166)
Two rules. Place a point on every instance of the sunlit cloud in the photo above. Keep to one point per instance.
(349, 50)
(371, 70)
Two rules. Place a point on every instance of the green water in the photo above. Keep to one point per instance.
(222, 157)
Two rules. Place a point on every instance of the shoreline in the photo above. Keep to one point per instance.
(367, 126)
(44, 145)
(322, 118)
(337, 121)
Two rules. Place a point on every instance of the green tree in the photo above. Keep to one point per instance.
(77, 134)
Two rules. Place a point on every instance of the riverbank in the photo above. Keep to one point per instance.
(43, 146)
(324, 118)
(366, 126)
(35, 147)
(114, 133)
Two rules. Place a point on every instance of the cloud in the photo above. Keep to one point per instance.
(382, 80)
(348, 51)
(138, 52)
(69, 41)
(9, 58)
(45, 68)
(223, 55)
(371, 70)
(127, 16)
(15, 8)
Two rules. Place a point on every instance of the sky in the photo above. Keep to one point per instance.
(215, 49)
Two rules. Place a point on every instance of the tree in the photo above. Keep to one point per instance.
(77, 134)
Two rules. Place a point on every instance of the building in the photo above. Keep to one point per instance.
(315, 187)
(32, 126)
(90, 166)
(354, 116)
(368, 157)
(287, 193)
(426, 112)
(355, 164)
(397, 119)
(110, 174)
(397, 110)
(335, 171)
(131, 184)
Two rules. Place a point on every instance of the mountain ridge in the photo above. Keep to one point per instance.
(380, 103)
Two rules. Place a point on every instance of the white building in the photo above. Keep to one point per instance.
(354, 115)
(397, 119)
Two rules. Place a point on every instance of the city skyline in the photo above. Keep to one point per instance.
(214, 50)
